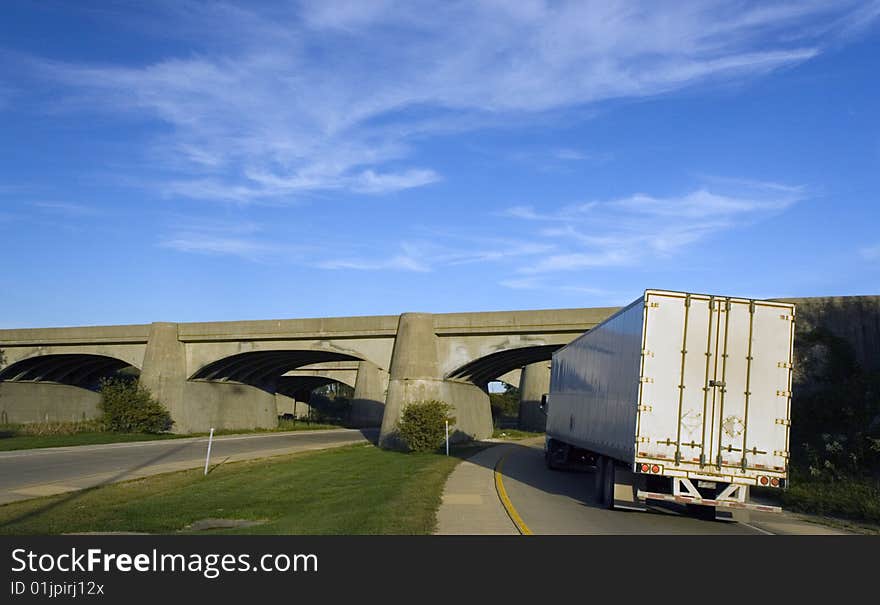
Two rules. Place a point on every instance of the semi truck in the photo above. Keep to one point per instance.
(678, 398)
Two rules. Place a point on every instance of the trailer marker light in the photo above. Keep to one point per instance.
(655, 469)
(645, 468)
(774, 482)
(763, 480)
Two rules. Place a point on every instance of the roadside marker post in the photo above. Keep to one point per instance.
(447, 437)
(208, 457)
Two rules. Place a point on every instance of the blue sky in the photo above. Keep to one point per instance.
(189, 161)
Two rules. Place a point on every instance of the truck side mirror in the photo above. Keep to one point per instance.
(544, 404)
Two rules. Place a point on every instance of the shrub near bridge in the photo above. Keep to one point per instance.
(422, 425)
(129, 407)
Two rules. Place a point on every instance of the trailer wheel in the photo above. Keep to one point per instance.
(555, 455)
(608, 482)
(599, 480)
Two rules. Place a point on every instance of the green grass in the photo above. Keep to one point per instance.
(514, 434)
(851, 499)
(350, 490)
(25, 442)
(12, 438)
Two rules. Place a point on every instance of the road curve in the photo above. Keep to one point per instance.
(43, 472)
(558, 502)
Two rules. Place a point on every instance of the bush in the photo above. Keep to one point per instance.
(422, 425)
(129, 407)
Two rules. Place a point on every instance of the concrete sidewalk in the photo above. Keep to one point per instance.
(470, 504)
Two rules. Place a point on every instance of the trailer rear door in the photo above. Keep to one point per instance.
(716, 381)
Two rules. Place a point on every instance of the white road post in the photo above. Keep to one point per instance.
(447, 437)
(208, 457)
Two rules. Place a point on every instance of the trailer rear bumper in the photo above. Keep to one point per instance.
(683, 499)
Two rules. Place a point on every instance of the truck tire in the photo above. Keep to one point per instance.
(608, 483)
(599, 480)
(555, 455)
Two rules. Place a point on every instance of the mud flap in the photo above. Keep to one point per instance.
(625, 489)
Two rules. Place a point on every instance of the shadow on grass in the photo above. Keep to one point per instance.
(75, 495)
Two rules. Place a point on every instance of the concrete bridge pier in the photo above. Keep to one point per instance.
(415, 376)
(286, 404)
(195, 405)
(534, 382)
(368, 403)
(164, 372)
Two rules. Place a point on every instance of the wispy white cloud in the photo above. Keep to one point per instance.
(369, 181)
(623, 231)
(578, 155)
(543, 283)
(335, 95)
(399, 263)
(443, 252)
(238, 239)
(67, 208)
(870, 252)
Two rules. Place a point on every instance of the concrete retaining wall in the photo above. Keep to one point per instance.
(225, 406)
(23, 402)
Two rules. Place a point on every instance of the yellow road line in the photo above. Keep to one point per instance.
(521, 526)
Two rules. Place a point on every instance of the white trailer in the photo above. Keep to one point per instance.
(677, 397)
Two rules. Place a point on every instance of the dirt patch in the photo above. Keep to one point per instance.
(206, 524)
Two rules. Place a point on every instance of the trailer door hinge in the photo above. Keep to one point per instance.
(784, 364)
(783, 393)
(783, 421)
(646, 408)
(643, 439)
(780, 454)
(786, 317)
(647, 379)
(653, 305)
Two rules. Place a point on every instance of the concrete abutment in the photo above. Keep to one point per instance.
(415, 376)
(534, 382)
(368, 403)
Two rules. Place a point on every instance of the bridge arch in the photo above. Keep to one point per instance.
(72, 369)
(265, 369)
(483, 370)
(56, 387)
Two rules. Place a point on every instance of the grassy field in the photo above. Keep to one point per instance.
(14, 437)
(351, 490)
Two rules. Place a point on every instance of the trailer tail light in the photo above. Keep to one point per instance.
(651, 469)
(774, 482)
(763, 480)
(647, 467)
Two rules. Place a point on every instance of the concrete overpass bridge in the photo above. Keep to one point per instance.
(240, 374)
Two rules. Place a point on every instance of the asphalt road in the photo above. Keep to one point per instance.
(42, 472)
(560, 502)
